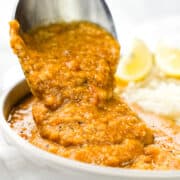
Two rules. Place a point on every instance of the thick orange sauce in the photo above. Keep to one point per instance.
(164, 153)
(74, 112)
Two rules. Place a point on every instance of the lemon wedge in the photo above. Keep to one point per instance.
(168, 60)
(136, 64)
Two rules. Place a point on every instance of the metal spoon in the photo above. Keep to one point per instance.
(32, 13)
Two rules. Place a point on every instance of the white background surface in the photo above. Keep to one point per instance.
(128, 16)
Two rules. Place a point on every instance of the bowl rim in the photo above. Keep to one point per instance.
(72, 164)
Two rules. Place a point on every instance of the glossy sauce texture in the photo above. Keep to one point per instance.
(70, 70)
(164, 153)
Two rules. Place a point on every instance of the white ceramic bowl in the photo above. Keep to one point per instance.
(59, 166)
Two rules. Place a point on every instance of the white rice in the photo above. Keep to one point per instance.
(157, 96)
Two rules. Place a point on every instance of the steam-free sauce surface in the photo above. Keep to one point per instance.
(163, 154)
(74, 111)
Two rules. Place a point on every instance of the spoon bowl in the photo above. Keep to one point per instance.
(33, 13)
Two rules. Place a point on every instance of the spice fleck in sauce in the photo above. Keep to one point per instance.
(73, 111)
(164, 153)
